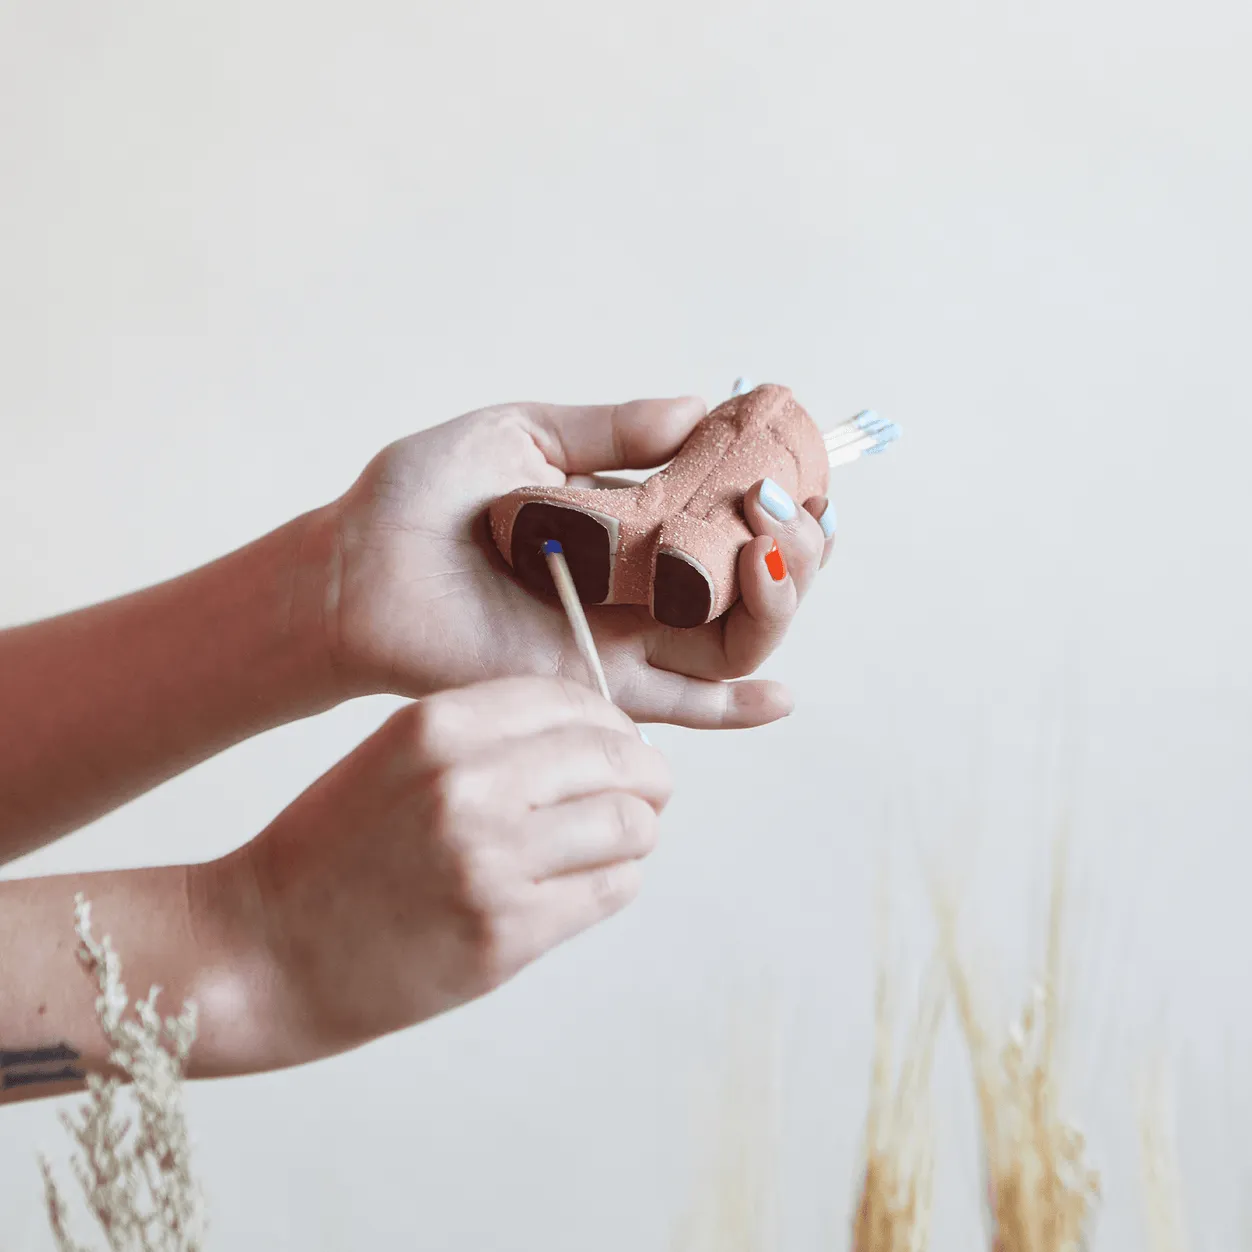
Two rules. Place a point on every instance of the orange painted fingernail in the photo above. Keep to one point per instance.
(775, 564)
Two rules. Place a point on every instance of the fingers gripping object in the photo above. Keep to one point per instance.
(672, 542)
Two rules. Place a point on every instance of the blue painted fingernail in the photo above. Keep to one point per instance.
(828, 521)
(776, 502)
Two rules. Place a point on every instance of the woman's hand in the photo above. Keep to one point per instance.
(420, 601)
(473, 832)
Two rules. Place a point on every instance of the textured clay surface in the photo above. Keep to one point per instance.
(672, 542)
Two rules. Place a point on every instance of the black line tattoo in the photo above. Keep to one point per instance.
(38, 1056)
(27, 1078)
(23, 1067)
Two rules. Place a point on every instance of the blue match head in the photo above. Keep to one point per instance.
(551, 547)
(886, 438)
(866, 419)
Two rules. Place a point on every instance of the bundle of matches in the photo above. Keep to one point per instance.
(1041, 1194)
(866, 434)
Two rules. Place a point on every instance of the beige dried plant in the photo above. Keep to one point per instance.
(1041, 1193)
(894, 1205)
(134, 1170)
(736, 1202)
(1166, 1224)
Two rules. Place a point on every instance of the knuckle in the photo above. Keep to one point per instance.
(481, 901)
(615, 748)
(454, 792)
(809, 540)
(664, 780)
(573, 697)
(490, 951)
(741, 667)
(615, 886)
(577, 696)
(431, 727)
(636, 825)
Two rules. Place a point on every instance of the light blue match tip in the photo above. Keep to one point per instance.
(551, 546)
(885, 440)
(866, 419)
(741, 386)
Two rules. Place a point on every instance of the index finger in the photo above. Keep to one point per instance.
(575, 762)
(469, 720)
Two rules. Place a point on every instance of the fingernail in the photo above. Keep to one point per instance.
(776, 502)
(775, 564)
(828, 521)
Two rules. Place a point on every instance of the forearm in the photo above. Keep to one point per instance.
(171, 929)
(99, 705)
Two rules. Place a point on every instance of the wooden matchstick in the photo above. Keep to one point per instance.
(573, 607)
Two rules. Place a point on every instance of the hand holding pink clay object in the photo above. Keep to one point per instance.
(672, 542)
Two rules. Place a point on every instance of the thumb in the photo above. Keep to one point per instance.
(582, 439)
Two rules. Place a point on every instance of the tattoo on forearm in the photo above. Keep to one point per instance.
(22, 1067)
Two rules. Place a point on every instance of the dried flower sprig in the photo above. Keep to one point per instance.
(134, 1172)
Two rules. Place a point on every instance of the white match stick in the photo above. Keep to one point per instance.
(866, 423)
(864, 435)
(573, 607)
(846, 457)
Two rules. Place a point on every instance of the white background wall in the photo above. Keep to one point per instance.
(243, 245)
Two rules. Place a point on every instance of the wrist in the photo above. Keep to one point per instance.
(314, 617)
(249, 1020)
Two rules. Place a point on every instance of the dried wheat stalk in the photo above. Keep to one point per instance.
(1041, 1194)
(135, 1172)
(893, 1210)
(736, 1203)
(1161, 1181)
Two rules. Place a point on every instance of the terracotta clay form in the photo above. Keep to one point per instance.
(672, 542)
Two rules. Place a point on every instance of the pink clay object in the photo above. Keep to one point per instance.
(672, 542)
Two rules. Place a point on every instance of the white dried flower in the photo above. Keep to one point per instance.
(135, 1172)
